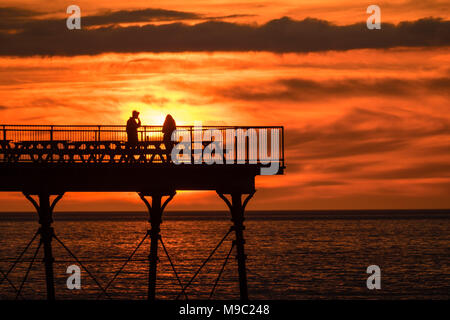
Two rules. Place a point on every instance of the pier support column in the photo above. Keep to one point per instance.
(237, 209)
(155, 211)
(45, 212)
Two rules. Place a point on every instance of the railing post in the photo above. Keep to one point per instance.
(192, 144)
(97, 156)
(4, 132)
(247, 148)
(51, 133)
(235, 146)
(282, 145)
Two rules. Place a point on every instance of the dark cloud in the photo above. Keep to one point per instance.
(51, 37)
(22, 19)
(297, 89)
(144, 15)
(343, 167)
(230, 16)
(16, 19)
(11, 17)
(433, 149)
(7, 13)
(322, 183)
(419, 171)
(352, 148)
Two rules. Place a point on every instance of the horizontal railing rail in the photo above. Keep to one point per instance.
(107, 143)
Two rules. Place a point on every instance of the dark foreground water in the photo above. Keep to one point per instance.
(290, 255)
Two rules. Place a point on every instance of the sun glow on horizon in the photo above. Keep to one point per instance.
(155, 116)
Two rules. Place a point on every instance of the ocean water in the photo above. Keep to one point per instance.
(291, 255)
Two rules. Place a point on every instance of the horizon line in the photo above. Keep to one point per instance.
(447, 210)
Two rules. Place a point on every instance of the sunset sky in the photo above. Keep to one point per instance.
(366, 112)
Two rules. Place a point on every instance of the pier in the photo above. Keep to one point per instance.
(46, 161)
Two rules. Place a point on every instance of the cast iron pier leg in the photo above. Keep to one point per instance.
(237, 209)
(45, 219)
(45, 212)
(155, 211)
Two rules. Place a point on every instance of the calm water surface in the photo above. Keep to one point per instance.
(289, 258)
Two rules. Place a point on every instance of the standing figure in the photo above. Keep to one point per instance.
(168, 127)
(132, 129)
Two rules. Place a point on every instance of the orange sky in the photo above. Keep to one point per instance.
(365, 128)
(339, 12)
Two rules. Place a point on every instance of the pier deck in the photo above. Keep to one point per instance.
(97, 158)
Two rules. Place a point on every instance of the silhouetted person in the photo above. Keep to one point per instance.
(168, 127)
(132, 129)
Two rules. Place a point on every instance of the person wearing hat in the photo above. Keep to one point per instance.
(132, 129)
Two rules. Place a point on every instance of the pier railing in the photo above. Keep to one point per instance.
(107, 144)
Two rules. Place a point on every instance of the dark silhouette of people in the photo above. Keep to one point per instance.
(169, 127)
(132, 129)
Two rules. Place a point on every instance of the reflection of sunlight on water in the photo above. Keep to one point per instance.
(287, 259)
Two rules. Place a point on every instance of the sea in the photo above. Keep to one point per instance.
(291, 255)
